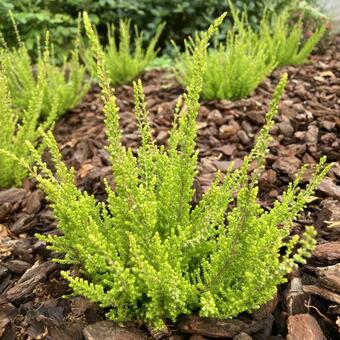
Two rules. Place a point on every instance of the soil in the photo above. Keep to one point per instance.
(308, 126)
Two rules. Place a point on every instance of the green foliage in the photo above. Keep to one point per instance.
(183, 17)
(122, 64)
(64, 86)
(312, 18)
(18, 128)
(238, 66)
(162, 62)
(285, 39)
(146, 253)
(235, 68)
(34, 18)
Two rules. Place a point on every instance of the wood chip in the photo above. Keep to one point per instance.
(218, 328)
(323, 292)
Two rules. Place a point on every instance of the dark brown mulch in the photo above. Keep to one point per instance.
(308, 126)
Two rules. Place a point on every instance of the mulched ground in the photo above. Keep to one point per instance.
(308, 126)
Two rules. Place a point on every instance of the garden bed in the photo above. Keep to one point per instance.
(308, 126)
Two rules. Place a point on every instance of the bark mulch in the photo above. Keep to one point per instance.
(308, 126)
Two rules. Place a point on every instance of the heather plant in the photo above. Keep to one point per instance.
(124, 59)
(148, 254)
(17, 128)
(285, 38)
(66, 84)
(236, 67)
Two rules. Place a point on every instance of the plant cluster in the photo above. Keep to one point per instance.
(122, 64)
(19, 127)
(64, 87)
(238, 65)
(147, 253)
(183, 17)
(235, 67)
(286, 41)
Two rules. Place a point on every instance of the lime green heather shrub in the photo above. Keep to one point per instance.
(65, 84)
(125, 59)
(148, 254)
(235, 67)
(17, 128)
(285, 39)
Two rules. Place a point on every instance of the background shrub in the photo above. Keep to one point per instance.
(19, 127)
(235, 67)
(35, 17)
(317, 14)
(238, 65)
(64, 86)
(125, 57)
(285, 38)
(182, 17)
(331, 8)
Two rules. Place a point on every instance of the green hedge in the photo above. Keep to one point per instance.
(183, 17)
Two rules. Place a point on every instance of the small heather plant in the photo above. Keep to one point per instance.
(17, 128)
(65, 85)
(122, 63)
(285, 39)
(147, 253)
(236, 67)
